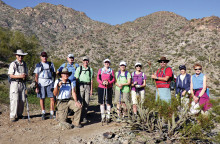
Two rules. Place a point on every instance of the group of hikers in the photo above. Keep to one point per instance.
(73, 89)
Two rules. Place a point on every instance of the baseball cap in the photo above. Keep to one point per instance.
(85, 58)
(138, 64)
(107, 60)
(70, 56)
(123, 63)
(181, 67)
(43, 54)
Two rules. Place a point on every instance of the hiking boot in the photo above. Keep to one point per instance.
(43, 117)
(84, 120)
(78, 126)
(103, 120)
(21, 117)
(52, 117)
(118, 120)
(12, 119)
(108, 120)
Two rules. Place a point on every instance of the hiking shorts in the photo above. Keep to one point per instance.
(124, 98)
(102, 98)
(137, 95)
(45, 90)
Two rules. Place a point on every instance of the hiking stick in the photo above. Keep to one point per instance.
(149, 63)
(106, 100)
(27, 106)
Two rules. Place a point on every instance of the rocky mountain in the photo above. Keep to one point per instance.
(62, 30)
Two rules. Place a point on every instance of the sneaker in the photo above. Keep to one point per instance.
(84, 120)
(43, 117)
(12, 119)
(103, 120)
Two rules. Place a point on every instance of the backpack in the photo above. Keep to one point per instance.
(126, 74)
(88, 69)
(100, 75)
(132, 76)
(17, 64)
(73, 66)
(42, 68)
(172, 83)
(69, 82)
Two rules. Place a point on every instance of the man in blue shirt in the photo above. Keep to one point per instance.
(71, 68)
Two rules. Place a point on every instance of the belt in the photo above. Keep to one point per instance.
(18, 80)
(85, 83)
(64, 100)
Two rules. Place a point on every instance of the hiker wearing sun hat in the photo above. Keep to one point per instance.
(122, 89)
(17, 72)
(138, 83)
(105, 78)
(44, 79)
(163, 78)
(63, 88)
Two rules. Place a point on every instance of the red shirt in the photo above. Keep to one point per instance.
(160, 73)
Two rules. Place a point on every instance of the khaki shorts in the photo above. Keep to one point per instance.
(125, 97)
(135, 94)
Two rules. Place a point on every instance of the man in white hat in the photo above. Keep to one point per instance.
(84, 75)
(63, 88)
(17, 72)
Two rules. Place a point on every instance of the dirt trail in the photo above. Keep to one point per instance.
(37, 131)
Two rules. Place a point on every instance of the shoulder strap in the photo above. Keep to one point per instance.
(142, 76)
(17, 64)
(80, 70)
(126, 74)
(119, 72)
(90, 78)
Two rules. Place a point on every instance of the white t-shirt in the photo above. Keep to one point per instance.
(44, 77)
(65, 90)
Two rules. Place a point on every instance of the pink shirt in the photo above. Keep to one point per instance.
(105, 75)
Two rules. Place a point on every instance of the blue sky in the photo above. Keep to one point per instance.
(121, 11)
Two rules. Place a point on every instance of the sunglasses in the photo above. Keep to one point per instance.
(198, 69)
(138, 65)
(163, 62)
(20, 56)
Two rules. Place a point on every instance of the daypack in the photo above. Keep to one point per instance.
(42, 68)
(88, 69)
(68, 67)
(69, 82)
(100, 75)
(172, 83)
(126, 74)
(132, 76)
(17, 64)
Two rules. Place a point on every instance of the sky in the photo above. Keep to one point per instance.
(120, 11)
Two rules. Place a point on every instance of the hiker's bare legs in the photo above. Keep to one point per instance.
(52, 104)
(42, 104)
(135, 108)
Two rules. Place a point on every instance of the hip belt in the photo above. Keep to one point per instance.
(85, 83)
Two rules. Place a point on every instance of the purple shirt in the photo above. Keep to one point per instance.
(139, 79)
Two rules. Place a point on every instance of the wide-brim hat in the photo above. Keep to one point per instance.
(20, 52)
(138, 63)
(163, 59)
(65, 71)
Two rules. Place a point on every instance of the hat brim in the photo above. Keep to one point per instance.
(23, 54)
(69, 73)
(163, 60)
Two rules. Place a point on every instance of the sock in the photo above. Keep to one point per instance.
(43, 111)
(51, 112)
(108, 111)
(102, 108)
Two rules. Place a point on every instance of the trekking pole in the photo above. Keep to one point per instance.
(106, 101)
(27, 106)
(149, 63)
(104, 106)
